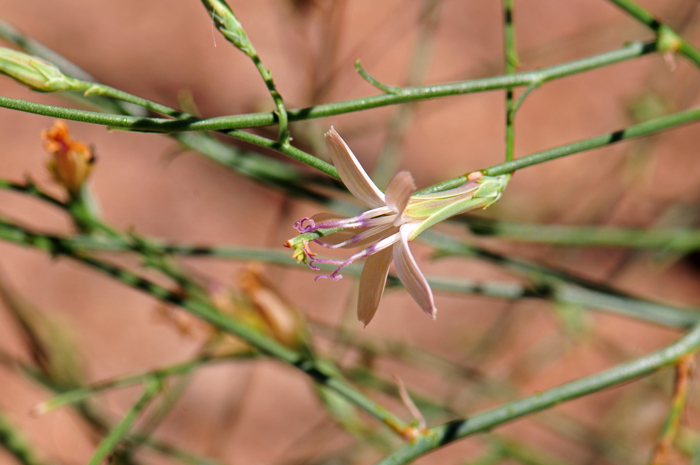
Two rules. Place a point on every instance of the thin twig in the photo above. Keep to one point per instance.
(121, 430)
(442, 435)
(675, 414)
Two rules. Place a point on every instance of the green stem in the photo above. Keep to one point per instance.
(442, 435)
(638, 130)
(31, 189)
(389, 157)
(231, 28)
(34, 47)
(676, 240)
(408, 94)
(57, 246)
(544, 282)
(115, 242)
(567, 288)
(282, 117)
(97, 420)
(119, 432)
(375, 83)
(176, 453)
(247, 163)
(94, 88)
(511, 62)
(631, 132)
(78, 395)
(288, 150)
(678, 404)
(523, 453)
(665, 35)
(12, 440)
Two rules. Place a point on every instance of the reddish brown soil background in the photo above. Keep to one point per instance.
(157, 48)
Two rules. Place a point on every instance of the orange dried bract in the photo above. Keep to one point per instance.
(71, 160)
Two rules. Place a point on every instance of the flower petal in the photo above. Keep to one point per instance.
(357, 237)
(351, 172)
(467, 187)
(398, 193)
(411, 276)
(372, 283)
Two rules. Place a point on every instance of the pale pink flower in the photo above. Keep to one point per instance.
(394, 218)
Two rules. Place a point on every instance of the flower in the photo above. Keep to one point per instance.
(71, 160)
(394, 219)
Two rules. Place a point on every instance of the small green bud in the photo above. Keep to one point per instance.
(667, 40)
(229, 25)
(38, 74)
(491, 188)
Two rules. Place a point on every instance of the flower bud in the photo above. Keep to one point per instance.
(229, 25)
(667, 40)
(281, 318)
(38, 74)
(71, 160)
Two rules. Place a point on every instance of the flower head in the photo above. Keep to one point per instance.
(71, 160)
(394, 219)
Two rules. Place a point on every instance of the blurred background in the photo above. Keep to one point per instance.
(480, 352)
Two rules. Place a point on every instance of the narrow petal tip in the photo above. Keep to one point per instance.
(330, 132)
(351, 172)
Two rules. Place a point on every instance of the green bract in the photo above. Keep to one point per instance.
(34, 72)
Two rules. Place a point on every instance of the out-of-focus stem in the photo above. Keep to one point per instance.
(407, 94)
(317, 371)
(680, 397)
(121, 429)
(14, 442)
(444, 434)
(388, 160)
(646, 128)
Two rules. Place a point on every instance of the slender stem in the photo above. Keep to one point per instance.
(100, 424)
(13, 441)
(676, 240)
(31, 189)
(408, 94)
(511, 62)
(121, 430)
(680, 397)
(545, 283)
(373, 82)
(317, 371)
(174, 452)
(33, 46)
(247, 163)
(522, 452)
(231, 28)
(286, 149)
(675, 42)
(638, 130)
(444, 434)
(567, 288)
(631, 132)
(94, 88)
(115, 242)
(389, 157)
(82, 393)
